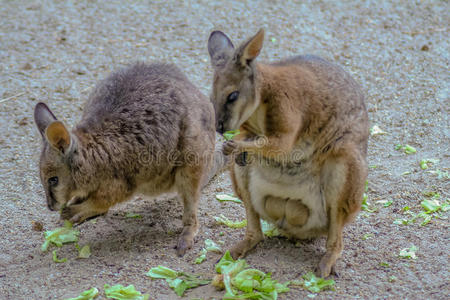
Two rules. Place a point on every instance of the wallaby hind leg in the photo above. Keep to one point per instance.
(253, 234)
(344, 188)
(188, 183)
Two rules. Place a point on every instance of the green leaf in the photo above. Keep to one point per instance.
(426, 220)
(178, 281)
(402, 221)
(385, 264)
(242, 283)
(222, 220)
(316, 284)
(210, 245)
(366, 206)
(431, 206)
(56, 259)
(426, 163)
(375, 130)
(161, 272)
(120, 292)
(408, 252)
(229, 135)
(388, 203)
(249, 279)
(409, 149)
(227, 197)
(86, 295)
(406, 148)
(202, 257)
(367, 236)
(133, 216)
(84, 252)
(269, 229)
(178, 285)
(60, 236)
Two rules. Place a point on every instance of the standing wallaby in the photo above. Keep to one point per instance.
(302, 145)
(145, 129)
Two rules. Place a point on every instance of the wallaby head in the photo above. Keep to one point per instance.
(234, 95)
(58, 146)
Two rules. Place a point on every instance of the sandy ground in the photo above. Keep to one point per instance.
(55, 51)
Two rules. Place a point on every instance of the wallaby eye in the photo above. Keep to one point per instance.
(53, 181)
(233, 96)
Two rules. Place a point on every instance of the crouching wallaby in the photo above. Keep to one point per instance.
(302, 146)
(145, 129)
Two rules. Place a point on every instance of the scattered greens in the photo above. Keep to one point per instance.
(178, 281)
(432, 208)
(365, 203)
(375, 130)
(385, 264)
(222, 220)
(406, 148)
(426, 163)
(202, 257)
(229, 135)
(316, 284)
(227, 197)
(84, 252)
(56, 259)
(408, 252)
(133, 216)
(120, 292)
(269, 229)
(60, 236)
(86, 295)
(242, 283)
(210, 246)
(366, 206)
(367, 236)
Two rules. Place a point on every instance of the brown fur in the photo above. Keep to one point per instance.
(304, 126)
(145, 129)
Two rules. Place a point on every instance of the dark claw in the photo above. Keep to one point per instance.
(241, 159)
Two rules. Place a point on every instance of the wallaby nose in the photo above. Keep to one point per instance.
(51, 203)
(219, 127)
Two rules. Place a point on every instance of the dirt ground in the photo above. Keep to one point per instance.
(55, 51)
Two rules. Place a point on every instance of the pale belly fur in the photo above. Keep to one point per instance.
(295, 183)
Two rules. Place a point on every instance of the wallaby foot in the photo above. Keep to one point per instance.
(186, 240)
(243, 247)
(322, 269)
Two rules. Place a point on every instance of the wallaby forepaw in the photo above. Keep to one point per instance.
(67, 213)
(229, 147)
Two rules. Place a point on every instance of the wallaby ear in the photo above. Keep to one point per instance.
(58, 136)
(43, 117)
(220, 48)
(249, 50)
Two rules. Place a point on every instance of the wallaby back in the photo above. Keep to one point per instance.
(146, 129)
